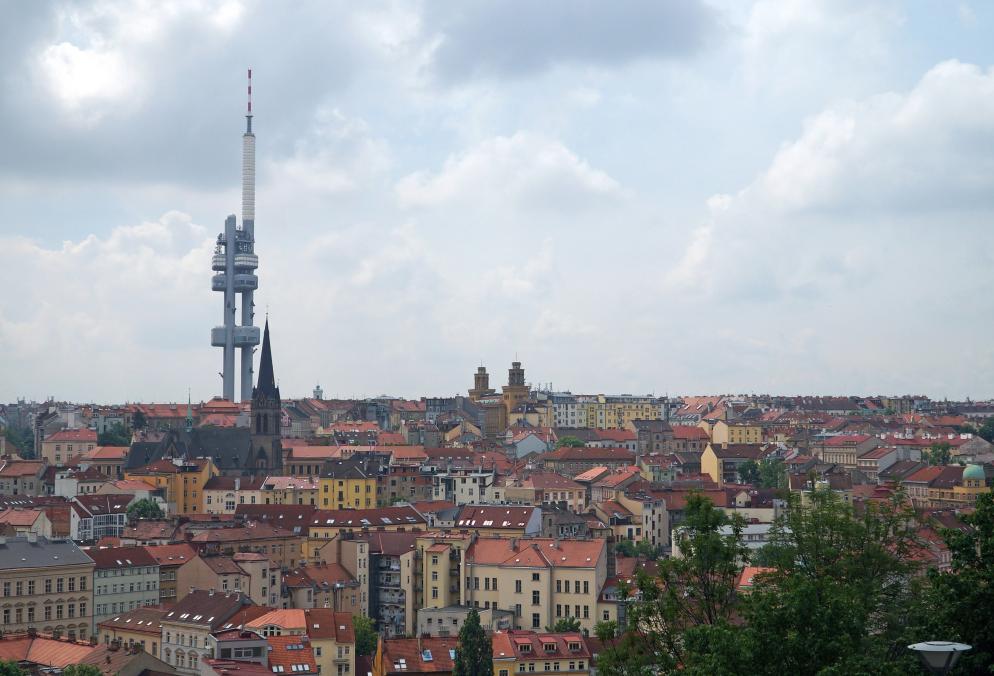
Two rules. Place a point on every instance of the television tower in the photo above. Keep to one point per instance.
(235, 263)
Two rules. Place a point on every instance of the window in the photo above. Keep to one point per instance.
(535, 577)
(586, 612)
(72, 610)
(576, 587)
(517, 586)
(58, 612)
(517, 610)
(476, 583)
(59, 584)
(48, 586)
(72, 584)
(559, 610)
(434, 576)
(607, 615)
(536, 620)
(48, 612)
(493, 584)
(434, 592)
(586, 587)
(6, 615)
(82, 609)
(535, 598)
(6, 589)
(31, 613)
(559, 586)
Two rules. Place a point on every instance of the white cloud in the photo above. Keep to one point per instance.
(525, 169)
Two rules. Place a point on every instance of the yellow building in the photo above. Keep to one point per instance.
(543, 580)
(518, 652)
(736, 433)
(441, 568)
(348, 484)
(326, 525)
(331, 635)
(183, 481)
(721, 462)
(290, 490)
(617, 411)
(62, 446)
(140, 626)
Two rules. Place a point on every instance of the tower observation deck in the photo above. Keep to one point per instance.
(234, 265)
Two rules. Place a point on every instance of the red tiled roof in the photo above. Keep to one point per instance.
(520, 644)
(120, 557)
(689, 433)
(588, 454)
(11, 468)
(406, 655)
(107, 453)
(494, 516)
(17, 516)
(371, 518)
(536, 552)
(291, 654)
(615, 435)
(83, 435)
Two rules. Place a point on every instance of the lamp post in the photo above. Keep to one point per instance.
(939, 657)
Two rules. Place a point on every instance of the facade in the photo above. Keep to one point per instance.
(170, 559)
(92, 517)
(570, 461)
(284, 546)
(331, 635)
(60, 447)
(187, 626)
(721, 463)
(141, 627)
(519, 651)
(22, 477)
(433, 656)
(124, 579)
(46, 585)
(541, 580)
(223, 494)
(349, 484)
(183, 481)
(443, 622)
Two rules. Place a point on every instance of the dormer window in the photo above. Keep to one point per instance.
(526, 648)
(549, 647)
(574, 645)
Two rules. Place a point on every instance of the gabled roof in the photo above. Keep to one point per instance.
(520, 644)
(171, 555)
(291, 655)
(84, 435)
(536, 552)
(419, 655)
(367, 518)
(146, 620)
(120, 557)
(737, 451)
(203, 607)
(509, 517)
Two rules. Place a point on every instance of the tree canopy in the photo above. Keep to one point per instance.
(146, 508)
(572, 442)
(365, 635)
(11, 669)
(842, 595)
(115, 435)
(474, 656)
(564, 624)
(81, 670)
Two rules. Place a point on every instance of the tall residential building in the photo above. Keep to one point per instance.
(124, 579)
(46, 585)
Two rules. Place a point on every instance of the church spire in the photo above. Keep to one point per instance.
(266, 385)
(189, 413)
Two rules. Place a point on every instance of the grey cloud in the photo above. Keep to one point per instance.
(520, 37)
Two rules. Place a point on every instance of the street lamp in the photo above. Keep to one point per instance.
(939, 657)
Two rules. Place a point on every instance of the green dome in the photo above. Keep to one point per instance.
(974, 472)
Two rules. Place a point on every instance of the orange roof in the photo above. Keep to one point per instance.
(43, 650)
(748, 573)
(508, 645)
(407, 655)
(73, 435)
(107, 453)
(312, 452)
(171, 555)
(286, 619)
(689, 433)
(592, 474)
(291, 655)
(536, 552)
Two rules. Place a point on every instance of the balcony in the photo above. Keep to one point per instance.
(218, 282)
(218, 263)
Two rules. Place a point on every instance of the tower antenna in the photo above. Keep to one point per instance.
(248, 110)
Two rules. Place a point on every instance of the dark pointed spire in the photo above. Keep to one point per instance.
(266, 384)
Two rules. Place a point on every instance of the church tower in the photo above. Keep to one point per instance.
(481, 384)
(267, 451)
(516, 391)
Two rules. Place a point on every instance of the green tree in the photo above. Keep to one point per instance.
(572, 442)
(958, 602)
(365, 635)
(696, 589)
(749, 472)
(146, 508)
(139, 421)
(938, 454)
(986, 430)
(835, 603)
(22, 438)
(115, 435)
(11, 669)
(474, 657)
(564, 624)
(772, 473)
(606, 631)
(81, 670)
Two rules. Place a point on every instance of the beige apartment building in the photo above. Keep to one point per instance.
(46, 585)
(540, 579)
(62, 446)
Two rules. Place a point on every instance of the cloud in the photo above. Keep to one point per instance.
(520, 38)
(524, 169)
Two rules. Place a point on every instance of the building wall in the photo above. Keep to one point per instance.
(123, 589)
(54, 598)
(184, 646)
(347, 493)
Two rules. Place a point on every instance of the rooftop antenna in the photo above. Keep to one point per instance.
(248, 111)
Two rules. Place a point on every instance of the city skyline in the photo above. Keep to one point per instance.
(790, 198)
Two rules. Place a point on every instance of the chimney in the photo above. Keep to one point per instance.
(211, 592)
(238, 483)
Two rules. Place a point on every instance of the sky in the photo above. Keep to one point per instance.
(681, 197)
